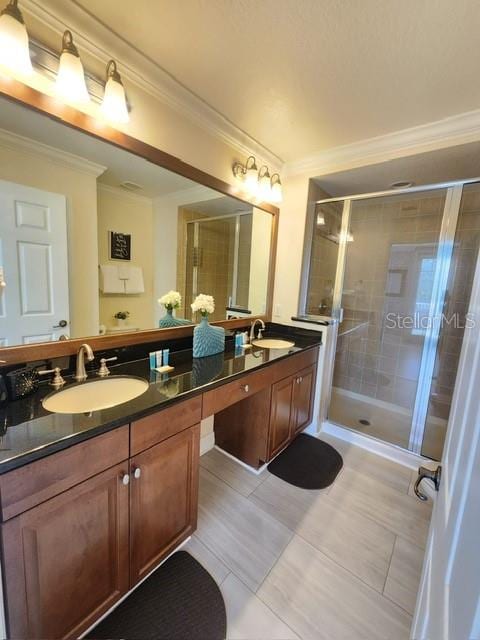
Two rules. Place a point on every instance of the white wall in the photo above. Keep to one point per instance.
(259, 261)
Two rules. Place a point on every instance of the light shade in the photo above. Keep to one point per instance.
(264, 191)
(276, 194)
(70, 84)
(14, 53)
(251, 176)
(114, 105)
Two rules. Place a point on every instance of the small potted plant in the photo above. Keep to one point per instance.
(121, 317)
(171, 300)
(207, 340)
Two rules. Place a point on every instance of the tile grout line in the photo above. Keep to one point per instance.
(389, 565)
(255, 593)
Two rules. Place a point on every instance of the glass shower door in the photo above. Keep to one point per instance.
(455, 321)
(391, 271)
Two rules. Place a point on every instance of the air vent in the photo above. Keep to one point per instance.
(402, 184)
(131, 186)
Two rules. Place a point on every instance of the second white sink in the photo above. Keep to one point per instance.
(95, 395)
(272, 343)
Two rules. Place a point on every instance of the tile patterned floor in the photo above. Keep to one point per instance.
(343, 563)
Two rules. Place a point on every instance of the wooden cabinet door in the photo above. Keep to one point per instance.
(280, 416)
(163, 499)
(66, 560)
(303, 385)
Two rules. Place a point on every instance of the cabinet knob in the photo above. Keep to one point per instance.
(137, 473)
(125, 478)
(246, 388)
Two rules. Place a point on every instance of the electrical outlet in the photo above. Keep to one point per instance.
(277, 312)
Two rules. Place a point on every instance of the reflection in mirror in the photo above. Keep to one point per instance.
(91, 236)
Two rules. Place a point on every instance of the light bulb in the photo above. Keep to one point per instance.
(276, 189)
(250, 179)
(264, 191)
(14, 52)
(70, 84)
(114, 105)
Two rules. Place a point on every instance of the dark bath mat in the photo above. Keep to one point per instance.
(180, 601)
(307, 463)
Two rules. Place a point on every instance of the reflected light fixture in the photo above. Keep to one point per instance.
(259, 184)
(264, 192)
(70, 84)
(14, 52)
(320, 219)
(276, 188)
(114, 105)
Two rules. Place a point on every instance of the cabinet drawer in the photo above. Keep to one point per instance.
(153, 429)
(241, 388)
(292, 365)
(24, 488)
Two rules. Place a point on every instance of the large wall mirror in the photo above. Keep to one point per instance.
(89, 231)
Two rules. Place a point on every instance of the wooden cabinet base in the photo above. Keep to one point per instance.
(66, 561)
(242, 429)
(163, 500)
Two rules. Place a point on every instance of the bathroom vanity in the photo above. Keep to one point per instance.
(103, 498)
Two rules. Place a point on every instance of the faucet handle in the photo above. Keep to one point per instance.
(57, 380)
(104, 370)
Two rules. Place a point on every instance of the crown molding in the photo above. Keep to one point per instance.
(16, 142)
(459, 129)
(103, 44)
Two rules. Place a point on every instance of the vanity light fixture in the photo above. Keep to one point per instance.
(14, 51)
(276, 194)
(114, 105)
(257, 183)
(70, 84)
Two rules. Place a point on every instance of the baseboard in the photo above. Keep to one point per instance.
(246, 466)
(207, 442)
(383, 449)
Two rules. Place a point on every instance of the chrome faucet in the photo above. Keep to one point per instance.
(252, 329)
(85, 350)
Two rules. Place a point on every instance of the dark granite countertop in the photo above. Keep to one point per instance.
(31, 432)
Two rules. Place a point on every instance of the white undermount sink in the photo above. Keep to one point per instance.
(95, 394)
(272, 343)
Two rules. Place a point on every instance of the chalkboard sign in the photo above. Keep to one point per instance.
(120, 246)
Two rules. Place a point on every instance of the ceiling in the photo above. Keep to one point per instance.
(444, 165)
(302, 76)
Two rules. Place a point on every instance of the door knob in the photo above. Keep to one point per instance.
(60, 325)
(137, 473)
(125, 478)
(434, 475)
(245, 388)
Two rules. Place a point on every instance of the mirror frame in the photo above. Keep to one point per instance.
(26, 96)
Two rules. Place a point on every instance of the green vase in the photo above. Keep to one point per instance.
(169, 320)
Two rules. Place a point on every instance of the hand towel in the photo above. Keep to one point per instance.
(109, 281)
(134, 284)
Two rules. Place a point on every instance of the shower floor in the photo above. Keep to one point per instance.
(385, 422)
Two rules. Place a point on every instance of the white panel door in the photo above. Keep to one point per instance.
(33, 255)
(448, 606)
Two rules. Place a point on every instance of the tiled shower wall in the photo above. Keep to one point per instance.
(374, 359)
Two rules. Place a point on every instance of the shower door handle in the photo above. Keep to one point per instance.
(430, 474)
